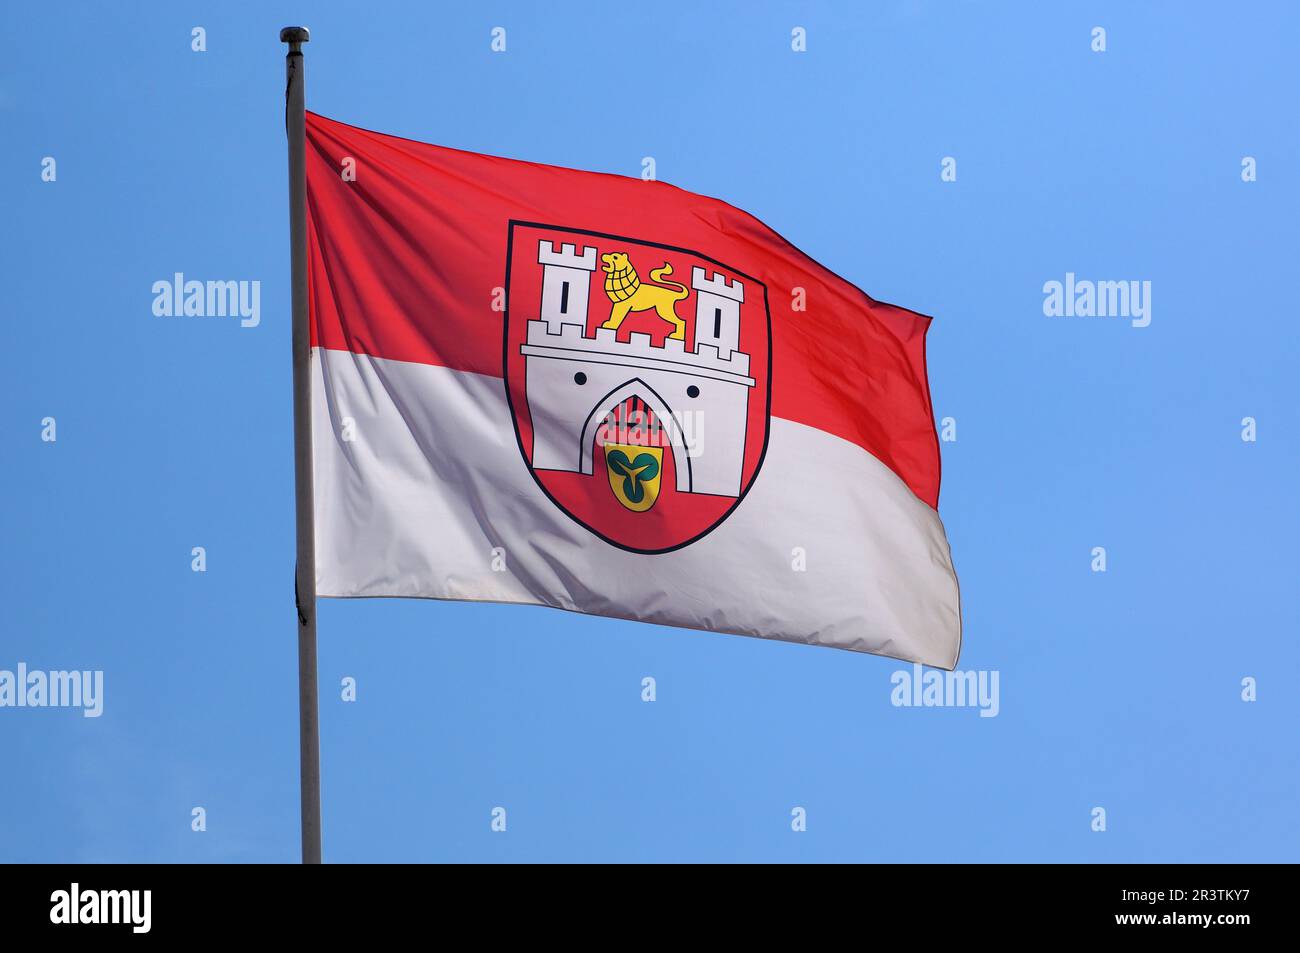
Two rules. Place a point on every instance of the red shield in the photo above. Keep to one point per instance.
(639, 377)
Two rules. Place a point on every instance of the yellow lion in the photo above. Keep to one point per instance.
(629, 294)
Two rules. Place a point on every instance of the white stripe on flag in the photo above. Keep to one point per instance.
(433, 481)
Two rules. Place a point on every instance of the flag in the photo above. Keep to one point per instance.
(544, 386)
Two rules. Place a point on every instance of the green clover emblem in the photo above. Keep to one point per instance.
(635, 473)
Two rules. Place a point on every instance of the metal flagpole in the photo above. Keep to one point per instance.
(295, 123)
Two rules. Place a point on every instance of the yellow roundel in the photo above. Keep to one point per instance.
(634, 474)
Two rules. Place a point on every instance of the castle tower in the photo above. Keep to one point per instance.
(717, 312)
(565, 284)
(574, 381)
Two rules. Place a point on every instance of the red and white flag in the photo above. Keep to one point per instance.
(539, 385)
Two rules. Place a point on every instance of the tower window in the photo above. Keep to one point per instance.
(717, 322)
(564, 297)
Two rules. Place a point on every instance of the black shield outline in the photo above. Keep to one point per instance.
(514, 416)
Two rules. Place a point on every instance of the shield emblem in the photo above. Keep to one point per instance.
(638, 375)
(634, 474)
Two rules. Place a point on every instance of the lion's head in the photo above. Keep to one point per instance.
(616, 262)
(621, 280)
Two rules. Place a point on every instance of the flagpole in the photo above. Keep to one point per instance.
(295, 123)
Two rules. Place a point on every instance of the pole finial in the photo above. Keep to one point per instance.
(295, 35)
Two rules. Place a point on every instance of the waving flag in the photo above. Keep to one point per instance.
(539, 385)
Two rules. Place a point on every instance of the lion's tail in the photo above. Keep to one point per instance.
(658, 275)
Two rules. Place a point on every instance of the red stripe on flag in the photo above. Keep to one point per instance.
(406, 261)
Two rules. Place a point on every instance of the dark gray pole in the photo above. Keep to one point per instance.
(295, 122)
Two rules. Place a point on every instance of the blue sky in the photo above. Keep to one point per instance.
(1119, 690)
